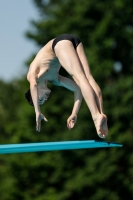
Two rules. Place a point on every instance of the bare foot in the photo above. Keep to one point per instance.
(101, 125)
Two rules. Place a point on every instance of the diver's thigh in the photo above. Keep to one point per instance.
(68, 58)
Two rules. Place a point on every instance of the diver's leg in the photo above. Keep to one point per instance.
(71, 63)
(86, 68)
(85, 65)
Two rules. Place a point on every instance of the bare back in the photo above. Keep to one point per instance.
(45, 65)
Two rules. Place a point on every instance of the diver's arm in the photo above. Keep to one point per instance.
(72, 86)
(35, 99)
(34, 92)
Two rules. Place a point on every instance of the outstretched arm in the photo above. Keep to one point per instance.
(34, 93)
(72, 86)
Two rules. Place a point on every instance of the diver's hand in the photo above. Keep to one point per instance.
(71, 121)
(39, 117)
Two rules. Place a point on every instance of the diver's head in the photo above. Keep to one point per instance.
(43, 95)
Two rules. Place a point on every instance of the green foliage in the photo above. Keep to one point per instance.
(106, 30)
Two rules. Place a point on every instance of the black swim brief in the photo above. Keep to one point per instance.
(74, 39)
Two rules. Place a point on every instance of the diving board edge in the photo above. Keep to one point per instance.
(55, 146)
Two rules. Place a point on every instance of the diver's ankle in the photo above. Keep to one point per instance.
(96, 116)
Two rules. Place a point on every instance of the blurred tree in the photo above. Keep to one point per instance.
(106, 30)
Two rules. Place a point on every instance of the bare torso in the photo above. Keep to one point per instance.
(46, 65)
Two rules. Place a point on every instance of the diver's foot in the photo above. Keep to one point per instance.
(100, 122)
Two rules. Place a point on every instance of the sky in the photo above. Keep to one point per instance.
(15, 48)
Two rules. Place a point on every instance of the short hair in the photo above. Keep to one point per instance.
(29, 98)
